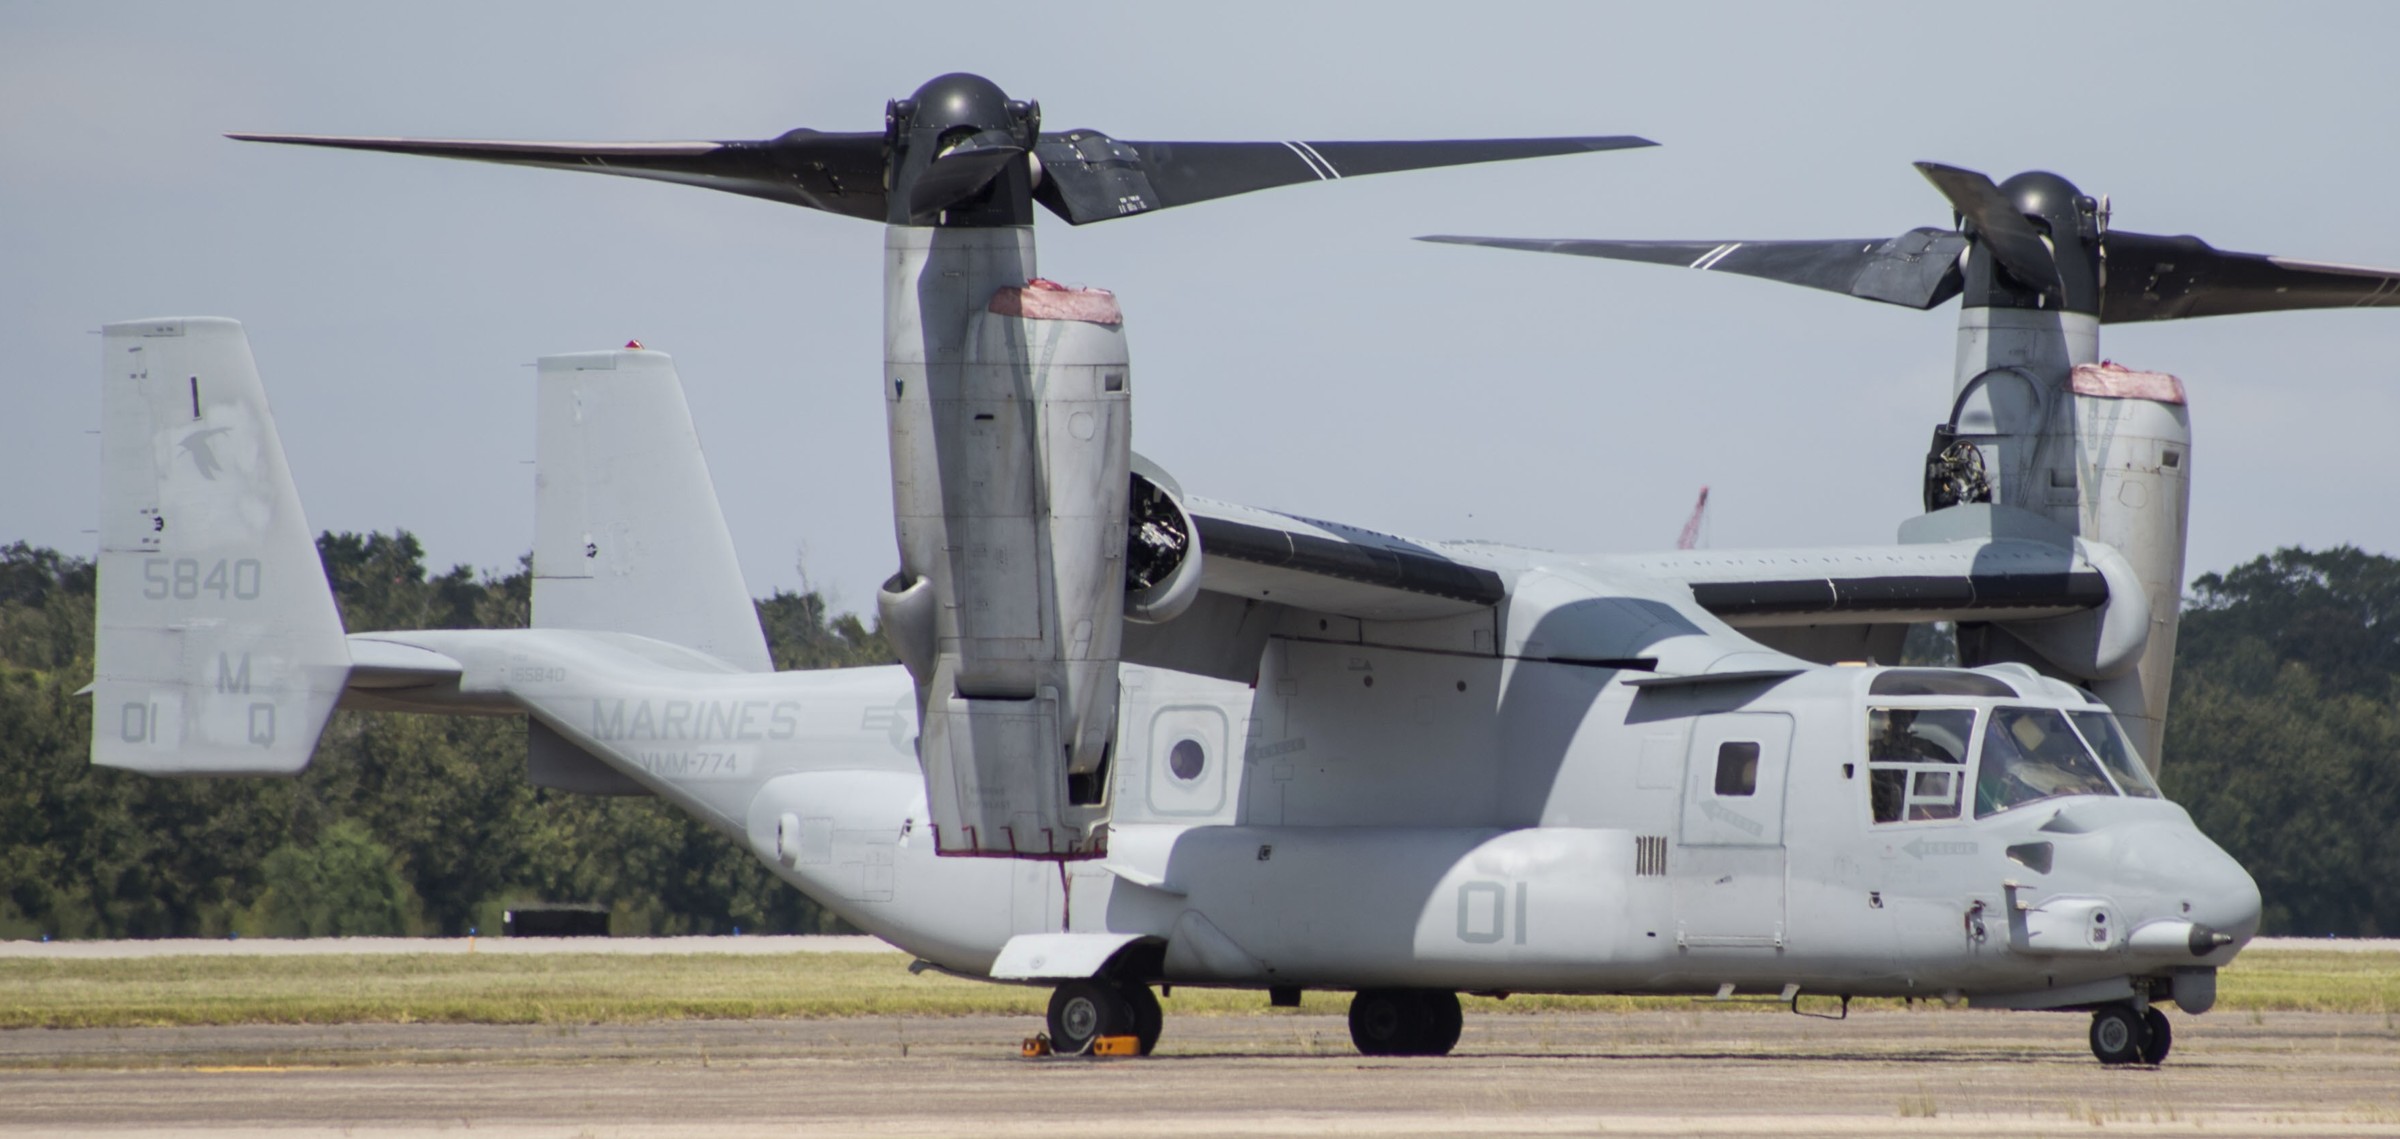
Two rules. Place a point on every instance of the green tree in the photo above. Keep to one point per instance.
(344, 885)
(2336, 611)
(95, 852)
(2284, 738)
(800, 634)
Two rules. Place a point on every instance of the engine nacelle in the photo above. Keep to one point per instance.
(2104, 452)
(1010, 416)
(1162, 548)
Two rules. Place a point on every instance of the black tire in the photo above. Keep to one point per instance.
(1382, 1021)
(1084, 1011)
(1444, 1020)
(2159, 1040)
(1404, 1022)
(2118, 1034)
(1148, 1018)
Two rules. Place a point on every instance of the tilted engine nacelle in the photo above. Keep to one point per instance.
(1011, 482)
(2103, 452)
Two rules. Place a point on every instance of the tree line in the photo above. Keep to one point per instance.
(402, 824)
(2284, 743)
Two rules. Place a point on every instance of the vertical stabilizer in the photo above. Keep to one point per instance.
(220, 652)
(628, 537)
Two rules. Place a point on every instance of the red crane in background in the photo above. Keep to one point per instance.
(1691, 529)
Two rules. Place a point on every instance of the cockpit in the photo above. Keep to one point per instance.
(1941, 743)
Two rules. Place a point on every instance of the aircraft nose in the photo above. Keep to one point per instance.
(2182, 866)
(2225, 897)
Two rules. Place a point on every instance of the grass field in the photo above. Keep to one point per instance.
(572, 988)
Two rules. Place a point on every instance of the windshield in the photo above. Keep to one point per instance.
(2030, 754)
(2101, 731)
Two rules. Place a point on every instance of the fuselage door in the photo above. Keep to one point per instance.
(1728, 864)
(1733, 779)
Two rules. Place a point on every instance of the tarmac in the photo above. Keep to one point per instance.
(1707, 1071)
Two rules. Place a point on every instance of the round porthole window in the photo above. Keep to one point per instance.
(1186, 759)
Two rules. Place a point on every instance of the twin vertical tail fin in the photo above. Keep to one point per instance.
(628, 536)
(220, 651)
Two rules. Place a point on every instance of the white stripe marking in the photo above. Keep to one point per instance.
(1719, 254)
(1321, 160)
(1311, 163)
(1700, 262)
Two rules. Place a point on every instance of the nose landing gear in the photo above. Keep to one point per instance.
(2122, 1034)
(1405, 1022)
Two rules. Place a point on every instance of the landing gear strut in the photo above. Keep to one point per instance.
(2123, 1035)
(1405, 1022)
(1084, 1011)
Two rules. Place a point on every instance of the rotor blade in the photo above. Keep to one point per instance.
(958, 175)
(1918, 269)
(2012, 239)
(839, 173)
(2172, 278)
(1088, 176)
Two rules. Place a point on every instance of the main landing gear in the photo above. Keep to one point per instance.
(1084, 1011)
(2122, 1034)
(1405, 1022)
(1383, 1022)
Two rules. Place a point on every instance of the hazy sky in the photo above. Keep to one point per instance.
(1291, 349)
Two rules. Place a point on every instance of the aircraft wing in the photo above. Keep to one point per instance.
(2010, 579)
(1263, 571)
(1309, 563)
(1328, 567)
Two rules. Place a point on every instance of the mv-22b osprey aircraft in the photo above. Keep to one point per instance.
(1139, 738)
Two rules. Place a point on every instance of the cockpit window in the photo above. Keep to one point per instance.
(2108, 740)
(2030, 754)
(1916, 761)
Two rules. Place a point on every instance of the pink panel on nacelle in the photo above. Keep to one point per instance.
(2110, 380)
(1042, 299)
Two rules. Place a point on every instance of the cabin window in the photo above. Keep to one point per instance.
(1917, 762)
(1187, 759)
(2116, 753)
(1737, 768)
(2030, 754)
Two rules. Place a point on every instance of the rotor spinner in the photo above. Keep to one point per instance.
(2070, 223)
(954, 144)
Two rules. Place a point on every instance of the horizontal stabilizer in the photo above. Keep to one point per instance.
(220, 651)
